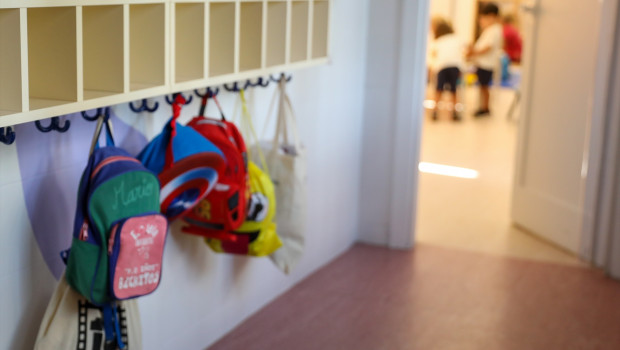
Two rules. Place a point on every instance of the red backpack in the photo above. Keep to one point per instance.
(224, 208)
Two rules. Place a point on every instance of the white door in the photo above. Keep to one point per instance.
(559, 70)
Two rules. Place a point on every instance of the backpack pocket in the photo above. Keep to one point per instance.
(136, 247)
(85, 271)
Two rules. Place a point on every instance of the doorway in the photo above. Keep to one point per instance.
(467, 170)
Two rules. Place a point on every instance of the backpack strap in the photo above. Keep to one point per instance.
(177, 106)
(111, 325)
(103, 119)
(205, 100)
(247, 119)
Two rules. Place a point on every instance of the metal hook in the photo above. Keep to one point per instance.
(54, 125)
(92, 118)
(7, 136)
(187, 100)
(282, 76)
(234, 88)
(208, 93)
(260, 82)
(144, 107)
(100, 112)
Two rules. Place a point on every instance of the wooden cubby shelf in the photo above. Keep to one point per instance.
(64, 56)
(299, 30)
(276, 33)
(320, 29)
(222, 38)
(103, 50)
(10, 62)
(251, 35)
(189, 41)
(147, 46)
(52, 56)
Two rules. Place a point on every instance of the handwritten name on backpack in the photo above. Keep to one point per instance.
(128, 197)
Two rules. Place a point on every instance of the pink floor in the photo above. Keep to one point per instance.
(437, 298)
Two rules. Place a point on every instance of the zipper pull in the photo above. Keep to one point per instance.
(84, 232)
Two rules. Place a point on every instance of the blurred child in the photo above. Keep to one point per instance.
(512, 39)
(486, 53)
(447, 55)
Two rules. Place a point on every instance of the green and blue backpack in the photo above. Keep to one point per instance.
(119, 233)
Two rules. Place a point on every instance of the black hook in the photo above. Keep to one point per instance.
(54, 125)
(100, 111)
(171, 101)
(282, 76)
(92, 118)
(144, 107)
(208, 93)
(234, 88)
(7, 136)
(261, 83)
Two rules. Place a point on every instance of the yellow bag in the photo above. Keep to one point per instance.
(257, 235)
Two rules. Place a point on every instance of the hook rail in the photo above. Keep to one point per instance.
(54, 125)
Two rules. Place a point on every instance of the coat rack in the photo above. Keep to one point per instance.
(68, 57)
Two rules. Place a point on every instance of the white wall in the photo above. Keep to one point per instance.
(460, 12)
(444, 8)
(203, 295)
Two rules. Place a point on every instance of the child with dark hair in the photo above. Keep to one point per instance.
(447, 53)
(487, 52)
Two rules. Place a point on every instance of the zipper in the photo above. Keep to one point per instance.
(111, 160)
(112, 239)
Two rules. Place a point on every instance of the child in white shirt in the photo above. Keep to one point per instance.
(447, 54)
(486, 53)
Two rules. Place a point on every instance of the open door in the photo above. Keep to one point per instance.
(559, 67)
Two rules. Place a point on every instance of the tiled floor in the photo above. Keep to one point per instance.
(438, 298)
(474, 214)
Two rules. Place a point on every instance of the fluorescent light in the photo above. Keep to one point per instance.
(429, 104)
(447, 170)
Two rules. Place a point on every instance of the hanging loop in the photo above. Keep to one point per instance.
(177, 105)
(144, 107)
(7, 135)
(186, 101)
(54, 125)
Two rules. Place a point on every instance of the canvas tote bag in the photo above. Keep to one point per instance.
(286, 160)
(71, 322)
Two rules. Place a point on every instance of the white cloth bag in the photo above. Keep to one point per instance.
(286, 161)
(71, 322)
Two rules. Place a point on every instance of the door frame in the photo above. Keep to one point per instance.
(596, 204)
(408, 126)
(602, 220)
